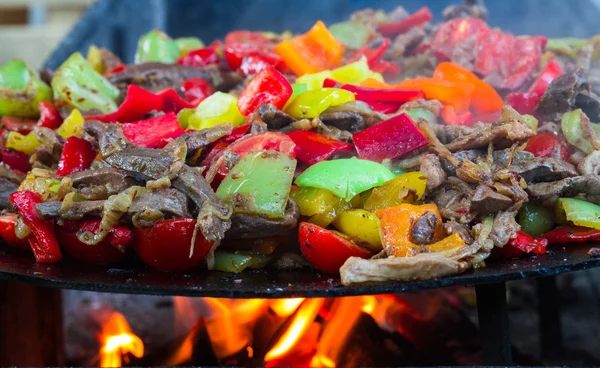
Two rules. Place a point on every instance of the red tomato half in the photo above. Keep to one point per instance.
(264, 141)
(268, 87)
(166, 245)
(548, 145)
(112, 250)
(327, 250)
(7, 233)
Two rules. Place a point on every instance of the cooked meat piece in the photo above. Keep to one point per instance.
(345, 120)
(431, 167)
(248, 226)
(549, 127)
(560, 95)
(589, 105)
(198, 139)
(589, 133)
(405, 43)
(213, 216)
(168, 201)
(539, 169)
(434, 106)
(114, 180)
(7, 173)
(590, 165)
(454, 200)
(42, 158)
(548, 193)
(156, 77)
(94, 192)
(486, 201)
(504, 228)
(289, 261)
(454, 227)
(594, 252)
(48, 153)
(333, 132)
(469, 9)
(109, 60)
(7, 187)
(273, 117)
(501, 133)
(424, 266)
(420, 65)
(423, 228)
(46, 75)
(370, 117)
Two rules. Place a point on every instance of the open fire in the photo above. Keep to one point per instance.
(334, 332)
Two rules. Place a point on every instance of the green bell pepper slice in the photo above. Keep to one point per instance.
(313, 103)
(420, 113)
(351, 34)
(579, 212)
(238, 261)
(355, 72)
(570, 125)
(21, 90)
(535, 220)
(345, 177)
(218, 108)
(187, 44)
(155, 46)
(78, 84)
(259, 184)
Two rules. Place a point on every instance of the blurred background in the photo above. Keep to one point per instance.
(31, 29)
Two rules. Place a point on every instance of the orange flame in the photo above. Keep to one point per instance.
(299, 325)
(285, 307)
(118, 340)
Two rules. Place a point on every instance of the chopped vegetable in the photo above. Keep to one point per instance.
(196, 90)
(21, 91)
(23, 143)
(156, 46)
(72, 125)
(312, 52)
(148, 133)
(187, 44)
(535, 220)
(355, 72)
(49, 116)
(218, 108)
(579, 212)
(345, 177)
(419, 17)
(79, 85)
(523, 102)
(327, 250)
(320, 205)
(312, 103)
(569, 234)
(239, 261)
(351, 34)
(406, 188)
(550, 72)
(42, 239)
(267, 87)
(200, 58)
(313, 147)
(15, 160)
(391, 138)
(360, 224)
(456, 94)
(548, 145)
(527, 244)
(7, 232)
(77, 155)
(571, 128)
(376, 97)
(451, 117)
(260, 183)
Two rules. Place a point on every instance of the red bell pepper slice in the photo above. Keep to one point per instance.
(312, 147)
(391, 138)
(527, 244)
(568, 234)
(113, 249)
(116, 70)
(398, 96)
(196, 89)
(384, 107)
(242, 44)
(15, 160)
(386, 67)
(49, 116)
(236, 133)
(330, 83)
(451, 117)
(165, 246)
(267, 87)
(148, 133)
(372, 55)
(419, 17)
(20, 125)
(77, 155)
(140, 102)
(327, 250)
(255, 62)
(548, 145)
(7, 232)
(200, 57)
(523, 102)
(550, 72)
(42, 239)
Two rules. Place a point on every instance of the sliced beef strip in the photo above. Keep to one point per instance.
(109, 60)
(344, 120)
(114, 180)
(273, 117)
(213, 214)
(156, 77)
(7, 173)
(454, 227)
(168, 201)
(504, 228)
(423, 229)
(548, 193)
(560, 95)
(541, 169)
(7, 187)
(453, 199)
(199, 139)
(431, 167)
(248, 226)
(486, 201)
(369, 116)
(434, 106)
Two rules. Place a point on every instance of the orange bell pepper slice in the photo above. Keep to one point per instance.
(484, 98)
(312, 52)
(396, 230)
(456, 94)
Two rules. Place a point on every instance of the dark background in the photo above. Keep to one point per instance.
(117, 24)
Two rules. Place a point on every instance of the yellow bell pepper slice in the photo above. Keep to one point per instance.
(311, 104)
(23, 143)
(72, 125)
(397, 191)
(218, 108)
(360, 224)
(355, 73)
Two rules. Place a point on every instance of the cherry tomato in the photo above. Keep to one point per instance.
(268, 87)
(112, 250)
(49, 116)
(264, 141)
(327, 250)
(166, 245)
(196, 89)
(240, 44)
(7, 233)
(200, 57)
(548, 145)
